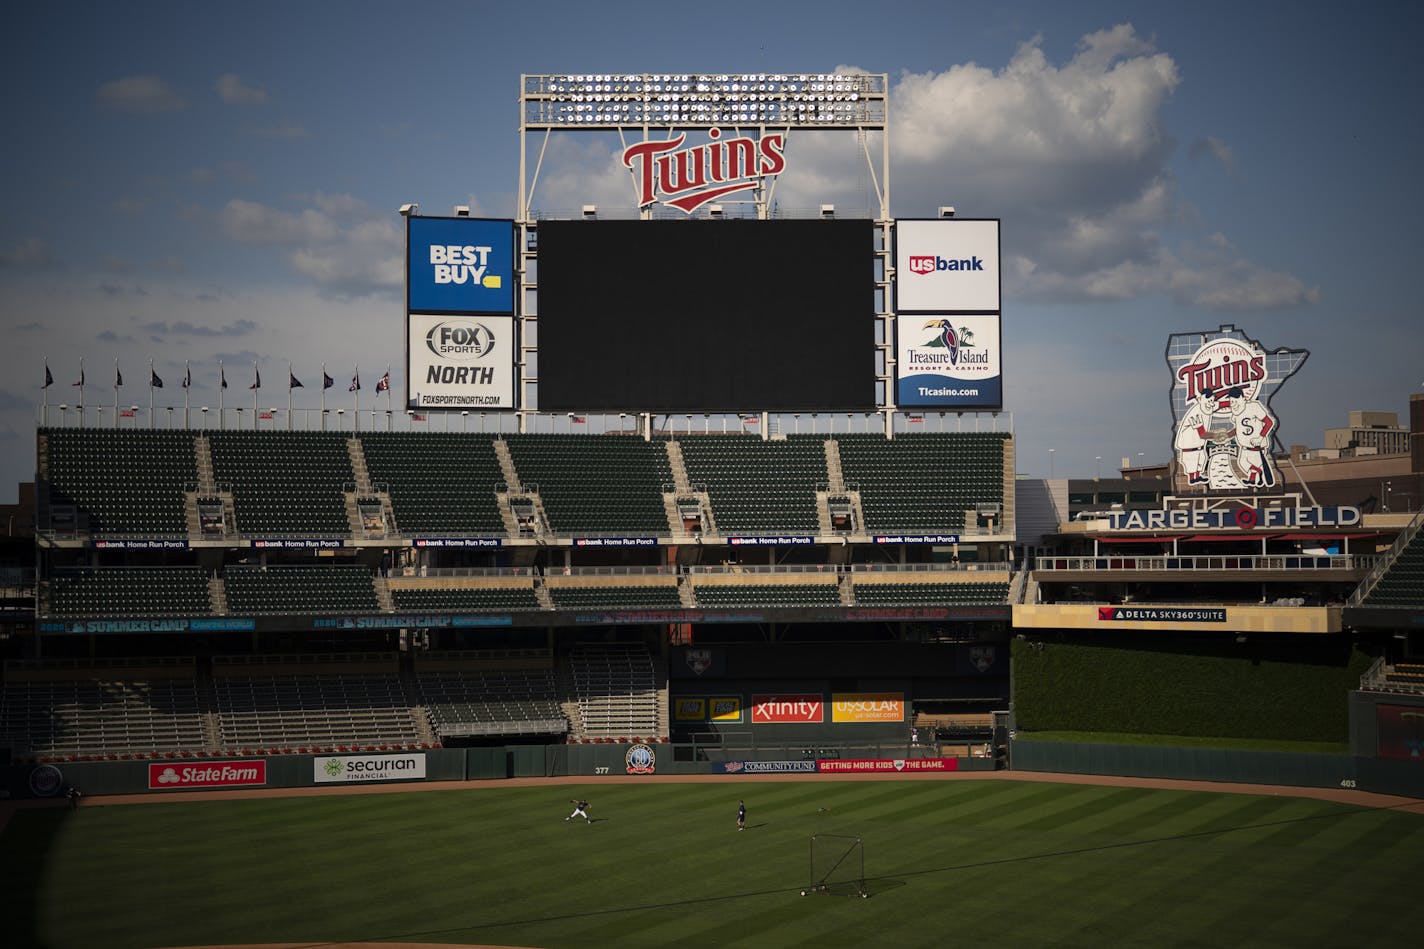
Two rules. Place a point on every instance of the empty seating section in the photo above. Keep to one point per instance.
(595, 483)
(926, 481)
(94, 717)
(1403, 583)
(766, 595)
(339, 588)
(492, 702)
(615, 597)
(756, 486)
(129, 592)
(121, 481)
(285, 483)
(616, 689)
(273, 707)
(438, 483)
(930, 594)
(473, 599)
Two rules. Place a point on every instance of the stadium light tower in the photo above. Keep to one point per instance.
(408, 210)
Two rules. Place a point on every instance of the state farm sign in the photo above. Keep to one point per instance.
(209, 774)
(799, 709)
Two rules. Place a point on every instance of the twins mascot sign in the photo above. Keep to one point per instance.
(1224, 429)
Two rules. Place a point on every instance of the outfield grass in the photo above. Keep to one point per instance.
(949, 863)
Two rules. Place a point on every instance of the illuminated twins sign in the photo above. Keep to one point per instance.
(688, 178)
(1223, 427)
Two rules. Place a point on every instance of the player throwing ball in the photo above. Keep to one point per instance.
(580, 810)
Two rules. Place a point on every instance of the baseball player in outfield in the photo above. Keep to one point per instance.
(580, 810)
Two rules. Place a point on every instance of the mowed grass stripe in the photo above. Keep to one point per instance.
(987, 863)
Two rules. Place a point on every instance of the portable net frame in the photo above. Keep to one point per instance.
(837, 866)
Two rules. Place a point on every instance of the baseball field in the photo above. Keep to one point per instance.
(947, 862)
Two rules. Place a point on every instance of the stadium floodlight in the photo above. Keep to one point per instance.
(946, 210)
(715, 210)
(462, 210)
(407, 210)
(828, 211)
(590, 211)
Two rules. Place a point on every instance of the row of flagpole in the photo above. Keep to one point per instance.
(156, 382)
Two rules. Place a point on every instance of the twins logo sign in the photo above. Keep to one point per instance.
(641, 759)
(1224, 429)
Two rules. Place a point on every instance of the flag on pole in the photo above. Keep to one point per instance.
(355, 385)
(187, 375)
(80, 382)
(256, 379)
(293, 382)
(154, 382)
(49, 379)
(326, 381)
(384, 383)
(118, 376)
(222, 374)
(578, 419)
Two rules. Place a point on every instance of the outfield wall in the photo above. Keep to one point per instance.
(591, 761)
(1185, 764)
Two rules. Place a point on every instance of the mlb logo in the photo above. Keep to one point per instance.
(699, 660)
(982, 657)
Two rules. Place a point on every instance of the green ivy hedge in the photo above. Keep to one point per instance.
(1213, 690)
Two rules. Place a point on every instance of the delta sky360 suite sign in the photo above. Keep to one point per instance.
(461, 343)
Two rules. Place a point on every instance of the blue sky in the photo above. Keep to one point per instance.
(203, 182)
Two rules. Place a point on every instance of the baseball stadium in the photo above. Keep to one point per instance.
(647, 550)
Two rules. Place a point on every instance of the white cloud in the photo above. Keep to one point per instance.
(248, 222)
(1213, 148)
(232, 90)
(28, 252)
(140, 94)
(1075, 158)
(343, 245)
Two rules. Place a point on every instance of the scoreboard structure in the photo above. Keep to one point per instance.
(705, 298)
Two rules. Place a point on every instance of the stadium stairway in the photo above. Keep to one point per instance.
(419, 714)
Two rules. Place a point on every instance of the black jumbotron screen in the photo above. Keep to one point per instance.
(706, 316)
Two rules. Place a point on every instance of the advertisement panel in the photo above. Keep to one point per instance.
(949, 361)
(461, 362)
(949, 265)
(689, 710)
(459, 265)
(350, 769)
(764, 767)
(1401, 732)
(868, 707)
(901, 765)
(797, 709)
(727, 708)
(1225, 433)
(208, 774)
